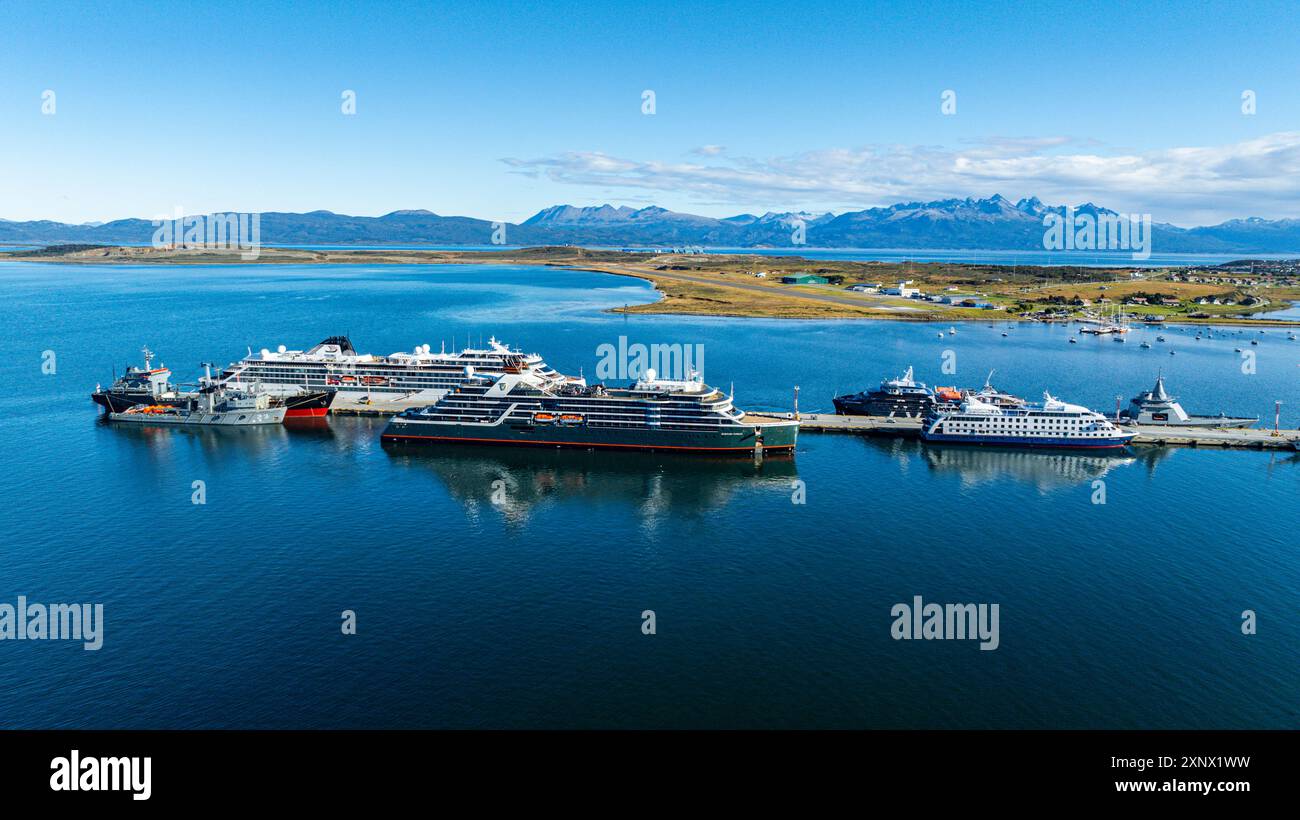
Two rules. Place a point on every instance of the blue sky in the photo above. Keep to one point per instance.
(496, 110)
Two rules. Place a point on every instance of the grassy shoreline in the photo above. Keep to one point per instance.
(726, 285)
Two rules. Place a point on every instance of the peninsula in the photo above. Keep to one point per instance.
(752, 285)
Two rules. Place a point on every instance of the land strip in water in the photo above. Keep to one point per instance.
(750, 285)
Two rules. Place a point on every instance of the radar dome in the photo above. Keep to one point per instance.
(281, 349)
(650, 374)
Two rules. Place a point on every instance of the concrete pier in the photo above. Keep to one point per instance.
(1252, 438)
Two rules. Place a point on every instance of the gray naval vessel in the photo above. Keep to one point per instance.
(1156, 407)
(215, 405)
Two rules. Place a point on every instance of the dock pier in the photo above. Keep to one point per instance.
(1148, 436)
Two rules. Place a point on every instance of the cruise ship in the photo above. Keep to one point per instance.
(533, 408)
(1053, 423)
(379, 384)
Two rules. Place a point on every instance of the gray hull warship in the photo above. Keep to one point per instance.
(1155, 407)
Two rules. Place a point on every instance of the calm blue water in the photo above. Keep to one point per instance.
(527, 612)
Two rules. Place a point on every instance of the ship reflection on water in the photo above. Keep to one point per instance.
(1047, 470)
(516, 482)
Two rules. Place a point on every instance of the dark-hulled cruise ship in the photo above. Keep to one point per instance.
(526, 407)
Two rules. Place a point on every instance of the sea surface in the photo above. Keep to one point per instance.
(506, 588)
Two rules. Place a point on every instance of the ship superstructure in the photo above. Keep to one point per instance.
(140, 385)
(383, 384)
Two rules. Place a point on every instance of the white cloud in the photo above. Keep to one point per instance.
(1183, 185)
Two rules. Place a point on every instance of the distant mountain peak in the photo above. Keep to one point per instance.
(416, 212)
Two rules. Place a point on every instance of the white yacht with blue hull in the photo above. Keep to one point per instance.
(1051, 424)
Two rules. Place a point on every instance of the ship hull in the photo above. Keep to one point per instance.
(1042, 443)
(119, 402)
(233, 418)
(1203, 422)
(309, 405)
(883, 406)
(774, 438)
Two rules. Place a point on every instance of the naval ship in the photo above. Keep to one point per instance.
(530, 407)
(377, 384)
(1156, 407)
(214, 406)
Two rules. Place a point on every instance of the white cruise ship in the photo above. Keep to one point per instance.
(1053, 423)
(382, 384)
